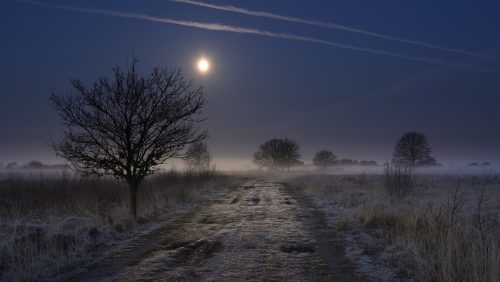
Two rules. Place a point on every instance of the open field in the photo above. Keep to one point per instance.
(446, 229)
(291, 226)
(52, 223)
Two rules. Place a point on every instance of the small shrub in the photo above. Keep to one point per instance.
(398, 180)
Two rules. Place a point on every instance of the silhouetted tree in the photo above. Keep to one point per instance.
(198, 158)
(278, 153)
(324, 159)
(412, 149)
(129, 125)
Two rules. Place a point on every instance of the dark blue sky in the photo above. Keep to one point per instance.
(354, 103)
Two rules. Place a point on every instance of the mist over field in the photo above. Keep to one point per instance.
(246, 165)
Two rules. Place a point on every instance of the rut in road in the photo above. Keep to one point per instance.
(261, 230)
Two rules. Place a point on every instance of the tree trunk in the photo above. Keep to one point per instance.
(133, 187)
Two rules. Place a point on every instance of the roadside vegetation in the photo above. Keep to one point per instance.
(51, 223)
(401, 227)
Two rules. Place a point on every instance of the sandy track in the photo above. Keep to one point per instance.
(261, 230)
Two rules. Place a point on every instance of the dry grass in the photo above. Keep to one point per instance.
(446, 229)
(49, 223)
(398, 181)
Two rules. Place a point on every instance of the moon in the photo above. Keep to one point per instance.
(203, 65)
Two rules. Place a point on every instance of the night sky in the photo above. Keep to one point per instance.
(271, 77)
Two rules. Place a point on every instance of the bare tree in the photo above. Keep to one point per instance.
(198, 158)
(278, 153)
(324, 159)
(412, 150)
(127, 126)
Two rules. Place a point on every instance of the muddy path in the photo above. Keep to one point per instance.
(261, 230)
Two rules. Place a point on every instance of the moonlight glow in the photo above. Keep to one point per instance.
(203, 65)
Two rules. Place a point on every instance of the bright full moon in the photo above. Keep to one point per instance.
(203, 65)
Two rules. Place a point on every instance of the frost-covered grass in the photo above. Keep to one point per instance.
(50, 223)
(446, 229)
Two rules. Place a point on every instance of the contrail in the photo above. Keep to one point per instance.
(332, 26)
(234, 29)
(242, 30)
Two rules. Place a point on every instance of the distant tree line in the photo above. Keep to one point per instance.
(284, 154)
(34, 165)
(411, 150)
(477, 164)
(325, 158)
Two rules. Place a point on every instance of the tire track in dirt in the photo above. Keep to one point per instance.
(262, 230)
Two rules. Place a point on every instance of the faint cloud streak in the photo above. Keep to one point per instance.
(242, 30)
(331, 25)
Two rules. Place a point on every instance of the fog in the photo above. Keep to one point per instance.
(242, 165)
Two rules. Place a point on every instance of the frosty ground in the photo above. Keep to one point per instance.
(294, 227)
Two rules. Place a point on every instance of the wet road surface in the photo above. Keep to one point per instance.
(260, 230)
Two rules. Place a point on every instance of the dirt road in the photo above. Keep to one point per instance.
(261, 230)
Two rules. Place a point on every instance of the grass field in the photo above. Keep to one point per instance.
(444, 228)
(447, 228)
(50, 223)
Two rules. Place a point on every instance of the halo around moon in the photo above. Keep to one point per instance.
(203, 65)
